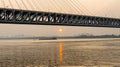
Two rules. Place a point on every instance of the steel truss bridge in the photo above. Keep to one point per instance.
(17, 16)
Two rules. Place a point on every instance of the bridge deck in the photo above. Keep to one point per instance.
(16, 16)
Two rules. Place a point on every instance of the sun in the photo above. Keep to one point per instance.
(60, 30)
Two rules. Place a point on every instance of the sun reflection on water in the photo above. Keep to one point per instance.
(61, 52)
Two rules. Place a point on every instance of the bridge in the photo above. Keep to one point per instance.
(21, 16)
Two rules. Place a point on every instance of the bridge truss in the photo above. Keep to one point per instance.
(16, 16)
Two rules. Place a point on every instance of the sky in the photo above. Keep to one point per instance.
(107, 8)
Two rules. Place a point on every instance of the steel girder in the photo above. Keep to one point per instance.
(16, 16)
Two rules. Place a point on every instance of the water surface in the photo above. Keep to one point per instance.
(67, 52)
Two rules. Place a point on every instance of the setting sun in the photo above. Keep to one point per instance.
(60, 30)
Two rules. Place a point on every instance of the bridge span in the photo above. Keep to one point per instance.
(17, 16)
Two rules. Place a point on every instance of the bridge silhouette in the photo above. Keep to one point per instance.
(20, 16)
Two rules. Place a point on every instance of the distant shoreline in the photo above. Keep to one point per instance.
(62, 40)
(53, 38)
(83, 36)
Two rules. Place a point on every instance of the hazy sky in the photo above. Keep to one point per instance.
(109, 8)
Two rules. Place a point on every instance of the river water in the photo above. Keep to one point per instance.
(60, 53)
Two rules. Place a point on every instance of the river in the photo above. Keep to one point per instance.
(103, 52)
